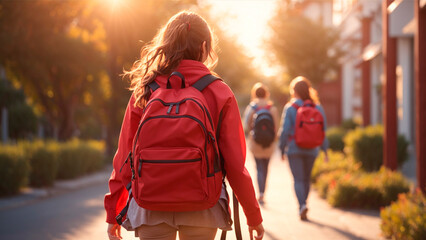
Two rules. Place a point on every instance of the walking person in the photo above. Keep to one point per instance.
(302, 135)
(261, 121)
(174, 63)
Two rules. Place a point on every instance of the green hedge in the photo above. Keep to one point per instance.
(366, 146)
(335, 138)
(336, 161)
(40, 163)
(43, 160)
(14, 170)
(77, 158)
(367, 190)
(405, 218)
(349, 124)
(344, 184)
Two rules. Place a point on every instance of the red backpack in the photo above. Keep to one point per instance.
(309, 126)
(175, 161)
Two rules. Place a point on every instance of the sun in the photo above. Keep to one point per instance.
(247, 21)
(114, 4)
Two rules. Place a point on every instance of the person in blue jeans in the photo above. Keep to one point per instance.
(262, 154)
(301, 160)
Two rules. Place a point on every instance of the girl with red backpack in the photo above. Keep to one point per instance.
(302, 135)
(179, 56)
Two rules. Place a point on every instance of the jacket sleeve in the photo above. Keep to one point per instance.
(115, 200)
(325, 143)
(248, 118)
(233, 149)
(286, 128)
(275, 115)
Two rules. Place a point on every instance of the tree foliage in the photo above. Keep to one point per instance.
(302, 46)
(50, 63)
(24, 122)
(68, 57)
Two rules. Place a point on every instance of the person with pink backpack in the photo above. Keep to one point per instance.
(302, 135)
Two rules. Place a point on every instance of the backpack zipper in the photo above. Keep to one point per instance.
(164, 162)
(208, 135)
(177, 106)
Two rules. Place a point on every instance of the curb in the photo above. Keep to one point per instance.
(30, 195)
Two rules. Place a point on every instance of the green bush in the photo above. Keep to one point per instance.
(43, 159)
(336, 161)
(393, 184)
(405, 218)
(367, 190)
(349, 124)
(13, 170)
(328, 181)
(355, 191)
(95, 151)
(77, 158)
(366, 146)
(335, 137)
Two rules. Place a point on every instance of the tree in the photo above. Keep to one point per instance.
(135, 24)
(68, 57)
(128, 27)
(302, 46)
(24, 122)
(42, 55)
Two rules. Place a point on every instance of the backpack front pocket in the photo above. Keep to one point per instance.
(172, 175)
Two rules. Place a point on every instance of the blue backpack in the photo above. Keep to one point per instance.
(264, 128)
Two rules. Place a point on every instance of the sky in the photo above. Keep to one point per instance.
(248, 20)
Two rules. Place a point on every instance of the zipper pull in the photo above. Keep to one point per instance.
(177, 108)
(211, 137)
(127, 159)
(170, 108)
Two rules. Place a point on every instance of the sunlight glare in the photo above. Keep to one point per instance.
(248, 22)
(114, 4)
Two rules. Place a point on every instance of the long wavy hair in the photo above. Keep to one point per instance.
(303, 88)
(181, 38)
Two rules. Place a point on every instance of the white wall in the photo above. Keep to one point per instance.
(347, 90)
(400, 17)
(376, 110)
(405, 83)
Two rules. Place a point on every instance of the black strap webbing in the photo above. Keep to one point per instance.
(119, 217)
(154, 86)
(200, 84)
(204, 82)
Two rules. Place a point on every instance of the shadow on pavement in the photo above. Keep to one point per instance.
(340, 231)
(365, 212)
(271, 236)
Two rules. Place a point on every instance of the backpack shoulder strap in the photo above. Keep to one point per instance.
(253, 106)
(309, 103)
(295, 105)
(268, 107)
(154, 86)
(204, 82)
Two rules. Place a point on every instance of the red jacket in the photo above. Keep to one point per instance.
(232, 144)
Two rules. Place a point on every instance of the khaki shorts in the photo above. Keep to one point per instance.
(166, 232)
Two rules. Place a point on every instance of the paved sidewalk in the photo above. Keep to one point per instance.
(31, 195)
(280, 212)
